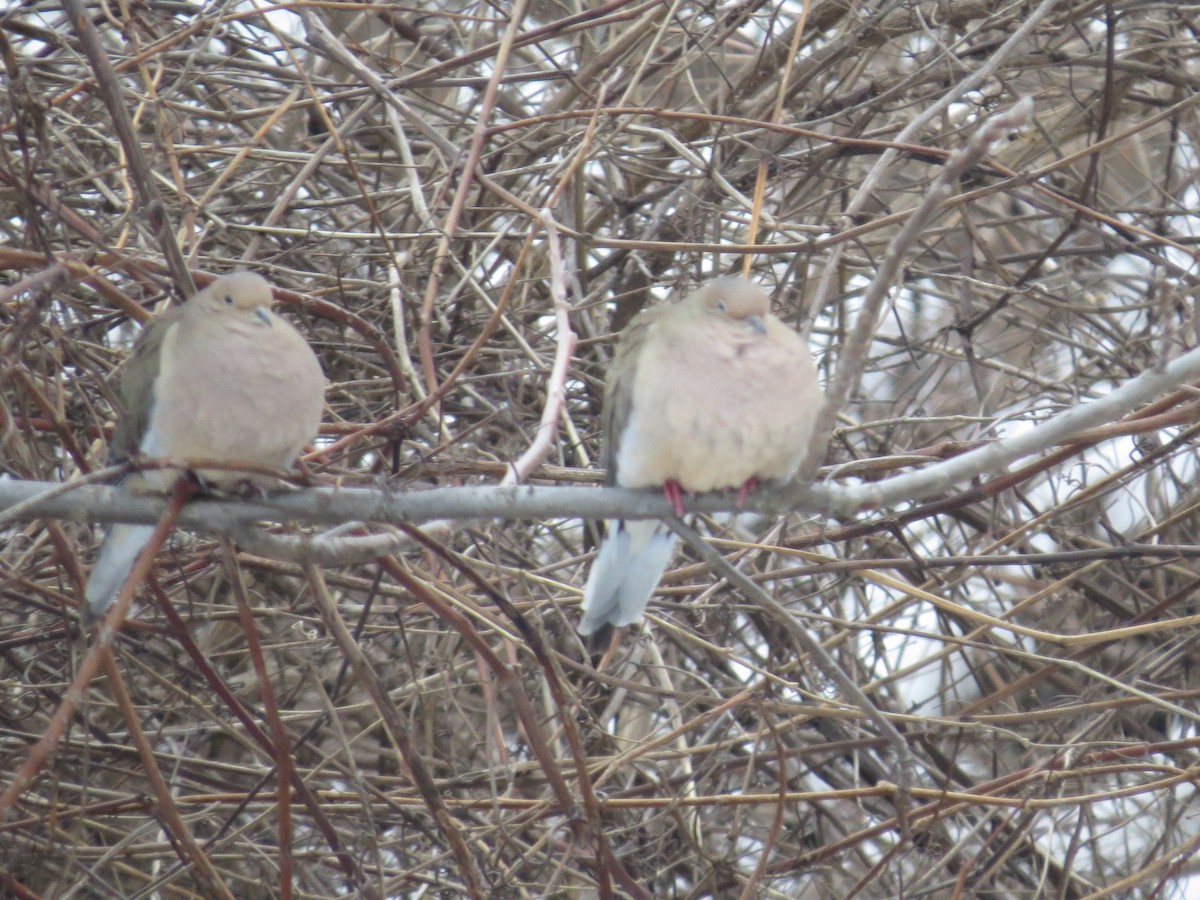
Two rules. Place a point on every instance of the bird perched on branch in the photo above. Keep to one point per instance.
(220, 378)
(710, 393)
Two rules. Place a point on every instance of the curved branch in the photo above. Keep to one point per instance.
(1060, 429)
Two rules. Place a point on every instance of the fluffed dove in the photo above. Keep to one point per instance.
(220, 378)
(707, 394)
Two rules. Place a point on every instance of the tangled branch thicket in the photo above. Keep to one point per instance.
(1026, 636)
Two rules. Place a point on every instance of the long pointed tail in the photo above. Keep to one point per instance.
(632, 559)
(113, 564)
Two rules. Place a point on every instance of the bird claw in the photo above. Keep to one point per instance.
(674, 494)
(744, 491)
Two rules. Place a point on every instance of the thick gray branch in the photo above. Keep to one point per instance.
(994, 457)
(22, 500)
(330, 506)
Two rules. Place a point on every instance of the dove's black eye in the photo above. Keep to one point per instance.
(722, 306)
(228, 300)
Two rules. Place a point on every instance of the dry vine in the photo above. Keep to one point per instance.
(1000, 703)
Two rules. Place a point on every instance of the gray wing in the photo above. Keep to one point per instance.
(618, 389)
(135, 387)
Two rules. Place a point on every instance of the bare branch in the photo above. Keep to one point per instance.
(29, 500)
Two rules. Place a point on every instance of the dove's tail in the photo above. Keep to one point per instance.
(113, 564)
(632, 559)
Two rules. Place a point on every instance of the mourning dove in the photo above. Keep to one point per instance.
(707, 394)
(219, 378)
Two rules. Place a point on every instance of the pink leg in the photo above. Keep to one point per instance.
(744, 491)
(674, 494)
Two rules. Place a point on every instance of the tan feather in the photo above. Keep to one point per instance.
(710, 393)
(219, 378)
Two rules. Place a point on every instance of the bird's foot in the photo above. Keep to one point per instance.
(673, 491)
(251, 489)
(744, 491)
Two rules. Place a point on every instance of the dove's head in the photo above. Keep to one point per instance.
(242, 294)
(734, 298)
